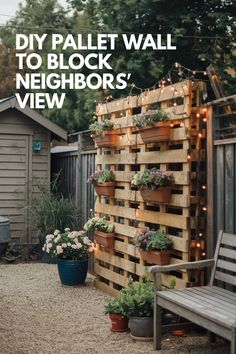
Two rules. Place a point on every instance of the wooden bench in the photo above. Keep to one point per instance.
(212, 307)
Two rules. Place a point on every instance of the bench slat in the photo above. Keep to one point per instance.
(225, 252)
(208, 303)
(208, 297)
(219, 295)
(230, 279)
(226, 293)
(228, 239)
(201, 309)
(226, 265)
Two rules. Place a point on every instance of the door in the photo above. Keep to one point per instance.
(14, 182)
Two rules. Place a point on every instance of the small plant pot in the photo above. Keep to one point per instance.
(104, 238)
(119, 323)
(107, 189)
(159, 195)
(141, 328)
(109, 139)
(155, 134)
(156, 257)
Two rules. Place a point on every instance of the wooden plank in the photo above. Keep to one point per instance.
(178, 156)
(12, 151)
(11, 158)
(12, 143)
(16, 166)
(226, 265)
(105, 288)
(220, 187)
(230, 279)
(171, 220)
(229, 188)
(12, 189)
(225, 252)
(17, 181)
(153, 96)
(110, 275)
(176, 199)
(228, 239)
(180, 177)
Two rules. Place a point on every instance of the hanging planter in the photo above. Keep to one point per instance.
(105, 239)
(108, 139)
(156, 257)
(159, 195)
(154, 246)
(103, 232)
(154, 185)
(106, 189)
(154, 134)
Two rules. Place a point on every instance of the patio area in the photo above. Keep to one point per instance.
(40, 316)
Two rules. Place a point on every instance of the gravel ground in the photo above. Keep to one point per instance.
(39, 316)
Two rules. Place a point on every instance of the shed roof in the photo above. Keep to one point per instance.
(11, 102)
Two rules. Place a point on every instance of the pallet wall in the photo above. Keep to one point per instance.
(183, 155)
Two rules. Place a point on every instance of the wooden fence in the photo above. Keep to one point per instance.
(184, 156)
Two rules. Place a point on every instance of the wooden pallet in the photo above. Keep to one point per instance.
(127, 210)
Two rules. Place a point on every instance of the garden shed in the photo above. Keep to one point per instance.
(25, 142)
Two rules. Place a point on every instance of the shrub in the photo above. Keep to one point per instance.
(99, 224)
(152, 240)
(150, 118)
(102, 176)
(152, 178)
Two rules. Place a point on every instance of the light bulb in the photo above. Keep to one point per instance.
(198, 115)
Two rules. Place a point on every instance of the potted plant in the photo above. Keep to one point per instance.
(71, 249)
(154, 246)
(103, 133)
(104, 182)
(139, 298)
(103, 231)
(115, 307)
(153, 126)
(154, 185)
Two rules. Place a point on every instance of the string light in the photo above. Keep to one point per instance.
(204, 208)
(204, 120)
(200, 135)
(203, 187)
(198, 115)
(200, 234)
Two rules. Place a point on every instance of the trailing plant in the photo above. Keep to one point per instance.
(98, 128)
(139, 298)
(150, 118)
(148, 239)
(102, 176)
(99, 224)
(49, 211)
(152, 178)
(70, 245)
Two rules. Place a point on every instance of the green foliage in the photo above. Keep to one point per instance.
(102, 176)
(152, 178)
(139, 298)
(48, 212)
(116, 306)
(99, 224)
(150, 118)
(148, 239)
(70, 245)
(98, 128)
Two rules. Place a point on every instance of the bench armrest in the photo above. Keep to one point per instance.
(185, 265)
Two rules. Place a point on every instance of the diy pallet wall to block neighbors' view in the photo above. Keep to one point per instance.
(182, 218)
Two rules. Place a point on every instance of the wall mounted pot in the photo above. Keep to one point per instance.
(158, 195)
(153, 134)
(119, 323)
(109, 139)
(155, 257)
(106, 189)
(104, 238)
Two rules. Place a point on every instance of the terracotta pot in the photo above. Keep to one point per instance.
(156, 257)
(106, 188)
(119, 323)
(109, 139)
(154, 134)
(104, 238)
(159, 195)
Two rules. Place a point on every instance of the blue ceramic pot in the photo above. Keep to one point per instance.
(72, 272)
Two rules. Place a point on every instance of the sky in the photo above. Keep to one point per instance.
(8, 8)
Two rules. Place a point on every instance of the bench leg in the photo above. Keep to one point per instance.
(233, 342)
(157, 326)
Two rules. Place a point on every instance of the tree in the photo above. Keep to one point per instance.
(204, 32)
